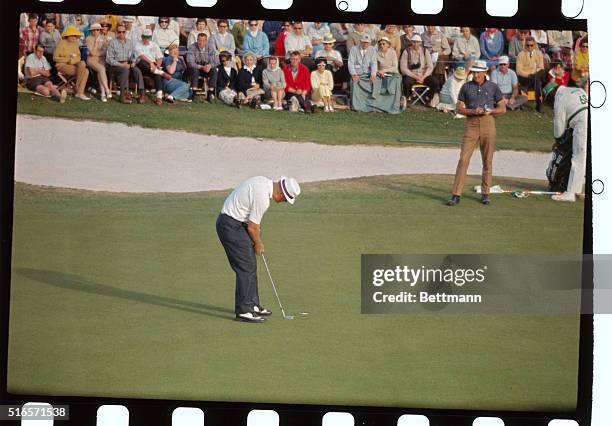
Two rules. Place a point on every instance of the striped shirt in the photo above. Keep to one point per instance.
(476, 96)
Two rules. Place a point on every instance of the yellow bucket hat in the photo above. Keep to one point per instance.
(71, 31)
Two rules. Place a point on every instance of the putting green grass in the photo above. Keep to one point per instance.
(519, 130)
(130, 295)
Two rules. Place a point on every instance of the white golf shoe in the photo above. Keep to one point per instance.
(249, 317)
(565, 196)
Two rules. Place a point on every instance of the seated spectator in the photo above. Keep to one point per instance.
(363, 66)
(200, 28)
(250, 83)
(201, 63)
(392, 35)
(449, 93)
(387, 58)
(517, 44)
(113, 20)
(558, 74)
(451, 34)
(279, 44)
(256, 41)
(556, 40)
(49, 39)
(340, 31)
(322, 84)
(389, 77)
(437, 45)
(37, 74)
(416, 67)
(507, 81)
(29, 35)
(119, 56)
(298, 41)
(272, 29)
(164, 35)
(186, 27)
(106, 30)
(274, 83)
(239, 30)
(406, 38)
(297, 78)
(580, 69)
(466, 48)
(333, 58)
(227, 80)
(530, 70)
(354, 37)
(566, 56)
(175, 66)
(67, 58)
(132, 32)
(541, 38)
(316, 32)
(491, 46)
(222, 41)
(149, 59)
(96, 59)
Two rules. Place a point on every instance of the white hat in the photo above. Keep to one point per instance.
(291, 188)
(147, 32)
(366, 38)
(479, 66)
(95, 26)
(128, 18)
(416, 37)
(504, 60)
(384, 38)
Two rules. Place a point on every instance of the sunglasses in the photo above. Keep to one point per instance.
(253, 25)
(585, 45)
(164, 22)
(530, 45)
(298, 28)
(222, 26)
(120, 32)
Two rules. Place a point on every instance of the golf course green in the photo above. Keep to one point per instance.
(131, 295)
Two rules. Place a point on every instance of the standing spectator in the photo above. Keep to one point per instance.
(316, 32)
(239, 30)
(466, 48)
(416, 66)
(149, 60)
(227, 80)
(479, 100)
(49, 39)
(186, 27)
(250, 81)
(256, 41)
(133, 33)
(165, 35)
(37, 74)
(298, 41)
(222, 41)
(274, 83)
(530, 70)
(580, 70)
(67, 58)
(29, 35)
(491, 46)
(201, 63)
(279, 44)
(175, 88)
(96, 59)
(406, 38)
(392, 35)
(322, 84)
(297, 77)
(333, 58)
(507, 81)
(272, 29)
(437, 45)
(119, 56)
(200, 28)
(517, 44)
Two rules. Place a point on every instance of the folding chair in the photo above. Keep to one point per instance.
(67, 82)
(418, 92)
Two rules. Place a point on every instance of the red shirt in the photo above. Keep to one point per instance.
(279, 45)
(28, 39)
(561, 81)
(302, 80)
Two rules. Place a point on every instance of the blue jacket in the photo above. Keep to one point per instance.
(259, 45)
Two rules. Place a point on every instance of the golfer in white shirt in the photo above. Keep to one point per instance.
(238, 228)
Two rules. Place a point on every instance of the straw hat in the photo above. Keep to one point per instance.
(460, 73)
(328, 38)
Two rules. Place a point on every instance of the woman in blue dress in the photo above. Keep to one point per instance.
(175, 88)
(491, 46)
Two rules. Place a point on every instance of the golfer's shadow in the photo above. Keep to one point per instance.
(74, 282)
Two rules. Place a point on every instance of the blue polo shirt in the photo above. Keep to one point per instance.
(505, 81)
(475, 96)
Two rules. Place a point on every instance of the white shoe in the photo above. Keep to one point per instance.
(295, 105)
(565, 196)
(103, 99)
(82, 97)
(63, 96)
(250, 317)
(403, 103)
(109, 95)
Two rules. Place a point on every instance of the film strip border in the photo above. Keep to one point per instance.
(124, 412)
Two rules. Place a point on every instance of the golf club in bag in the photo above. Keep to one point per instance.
(287, 317)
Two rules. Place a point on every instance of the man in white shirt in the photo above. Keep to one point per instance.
(148, 58)
(299, 41)
(238, 228)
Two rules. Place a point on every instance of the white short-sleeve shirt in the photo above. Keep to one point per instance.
(250, 200)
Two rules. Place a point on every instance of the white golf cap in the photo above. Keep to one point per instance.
(504, 60)
(479, 66)
(128, 18)
(366, 38)
(416, 37)
(147, 33)
(291, 188)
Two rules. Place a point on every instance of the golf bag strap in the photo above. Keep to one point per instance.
(576, 113)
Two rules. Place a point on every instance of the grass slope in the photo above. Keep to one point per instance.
(131, 296)
(520, 130)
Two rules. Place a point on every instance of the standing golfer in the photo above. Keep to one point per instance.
(480, 100)
(238, 227)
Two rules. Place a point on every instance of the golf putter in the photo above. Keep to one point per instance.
(287, 317)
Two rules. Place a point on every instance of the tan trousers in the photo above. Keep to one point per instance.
(99, 68)
(81, 72)
(479, 131)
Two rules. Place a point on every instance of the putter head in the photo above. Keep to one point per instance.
(288, 317)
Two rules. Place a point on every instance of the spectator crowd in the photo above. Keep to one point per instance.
(295, 66)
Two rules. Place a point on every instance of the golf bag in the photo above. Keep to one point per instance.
(560, 165)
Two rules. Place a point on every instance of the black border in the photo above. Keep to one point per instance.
(545, 15)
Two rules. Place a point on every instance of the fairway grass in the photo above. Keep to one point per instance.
(519, 130)
(130, 295)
